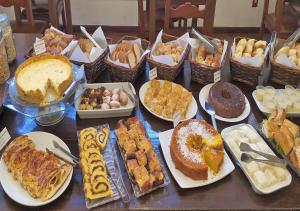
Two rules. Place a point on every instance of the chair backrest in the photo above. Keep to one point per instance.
(17, 4)
(188, 10)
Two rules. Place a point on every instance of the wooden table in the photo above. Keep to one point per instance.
(233, 192)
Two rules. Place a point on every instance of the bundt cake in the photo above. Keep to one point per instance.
(227, 99)
(195, 148)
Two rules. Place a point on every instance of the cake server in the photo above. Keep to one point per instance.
(211, 111)
(248, 158)
(244, 147)
(210, 46)
(57, 146)
(61, 158)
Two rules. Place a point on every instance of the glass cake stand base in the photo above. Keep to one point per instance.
(52, 118)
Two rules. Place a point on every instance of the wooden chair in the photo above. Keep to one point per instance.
(284, 20)
(143, 15)
(189, 10)
(21, 26)
(60, 10)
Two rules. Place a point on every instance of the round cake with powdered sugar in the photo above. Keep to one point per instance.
(195, 148)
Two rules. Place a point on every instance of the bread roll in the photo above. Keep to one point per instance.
(201, 52)
(137, 52)
(242, 42)
(217, 60)
(249, 46)
(258, 52)
(283, 50)
(246, 55)
(237, 55)
(297, 46)
(292, 52)
(209, 59)
(260, 44)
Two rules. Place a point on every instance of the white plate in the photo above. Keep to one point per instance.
(184, 181)
(101, 113)
(226, 137)
(203, 96)
(13, 188)
(262, 108)
(191, 112)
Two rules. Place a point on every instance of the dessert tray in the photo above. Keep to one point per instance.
(50, 113)
(111, 163)
(187, 182)
(13, 188)
(123, 110)
(153, 160)
(203, 97)
(277, 98)
(264, 178)
(191, 111)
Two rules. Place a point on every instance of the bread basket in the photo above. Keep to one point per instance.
(122, 74)
(280, 73)
(167, 72)
(244, 73)
(202, 73)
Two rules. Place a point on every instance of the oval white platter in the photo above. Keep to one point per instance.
(203, 96)
(13, 188)
(191, 112)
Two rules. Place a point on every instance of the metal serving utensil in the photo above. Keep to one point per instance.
(61, 158)
(211, 111)
(248, 158)
(292, 39)
(244, 147)
(210, 46)
(57, 146)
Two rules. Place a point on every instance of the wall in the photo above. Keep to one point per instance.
(229, 13)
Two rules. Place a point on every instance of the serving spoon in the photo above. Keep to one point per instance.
(211, 111)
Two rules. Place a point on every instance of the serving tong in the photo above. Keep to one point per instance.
(270, 159)
(211, 47)
(125, 197)
(293, 38)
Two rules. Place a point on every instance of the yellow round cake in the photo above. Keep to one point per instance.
(43, 78)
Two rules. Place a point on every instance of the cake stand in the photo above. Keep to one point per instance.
(50, 113)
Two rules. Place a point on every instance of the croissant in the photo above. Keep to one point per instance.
(260, 44)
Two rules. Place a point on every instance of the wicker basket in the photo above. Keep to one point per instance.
(204, 74)
(282, 74)
(164, 71)
(119, 73)
(243, 72)
(93, 69)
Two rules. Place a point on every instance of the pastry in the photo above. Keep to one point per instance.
(250, 48)
(95, 175)
(127, 52)
(41, 174)
(209, 59)
(43, 78)
(56, 41)
(102, 98)
(141, 160)
(227, 99)
(191, 154)
(167, 99)
(86, 45)
(292, 53)
(169, 49)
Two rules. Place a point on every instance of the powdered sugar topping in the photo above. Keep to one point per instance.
(193, 128)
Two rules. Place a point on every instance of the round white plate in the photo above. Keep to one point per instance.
(14, 189)
(191, 112)
(185, 181)
(203, 96)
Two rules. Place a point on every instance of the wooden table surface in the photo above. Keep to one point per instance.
(234, 192)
